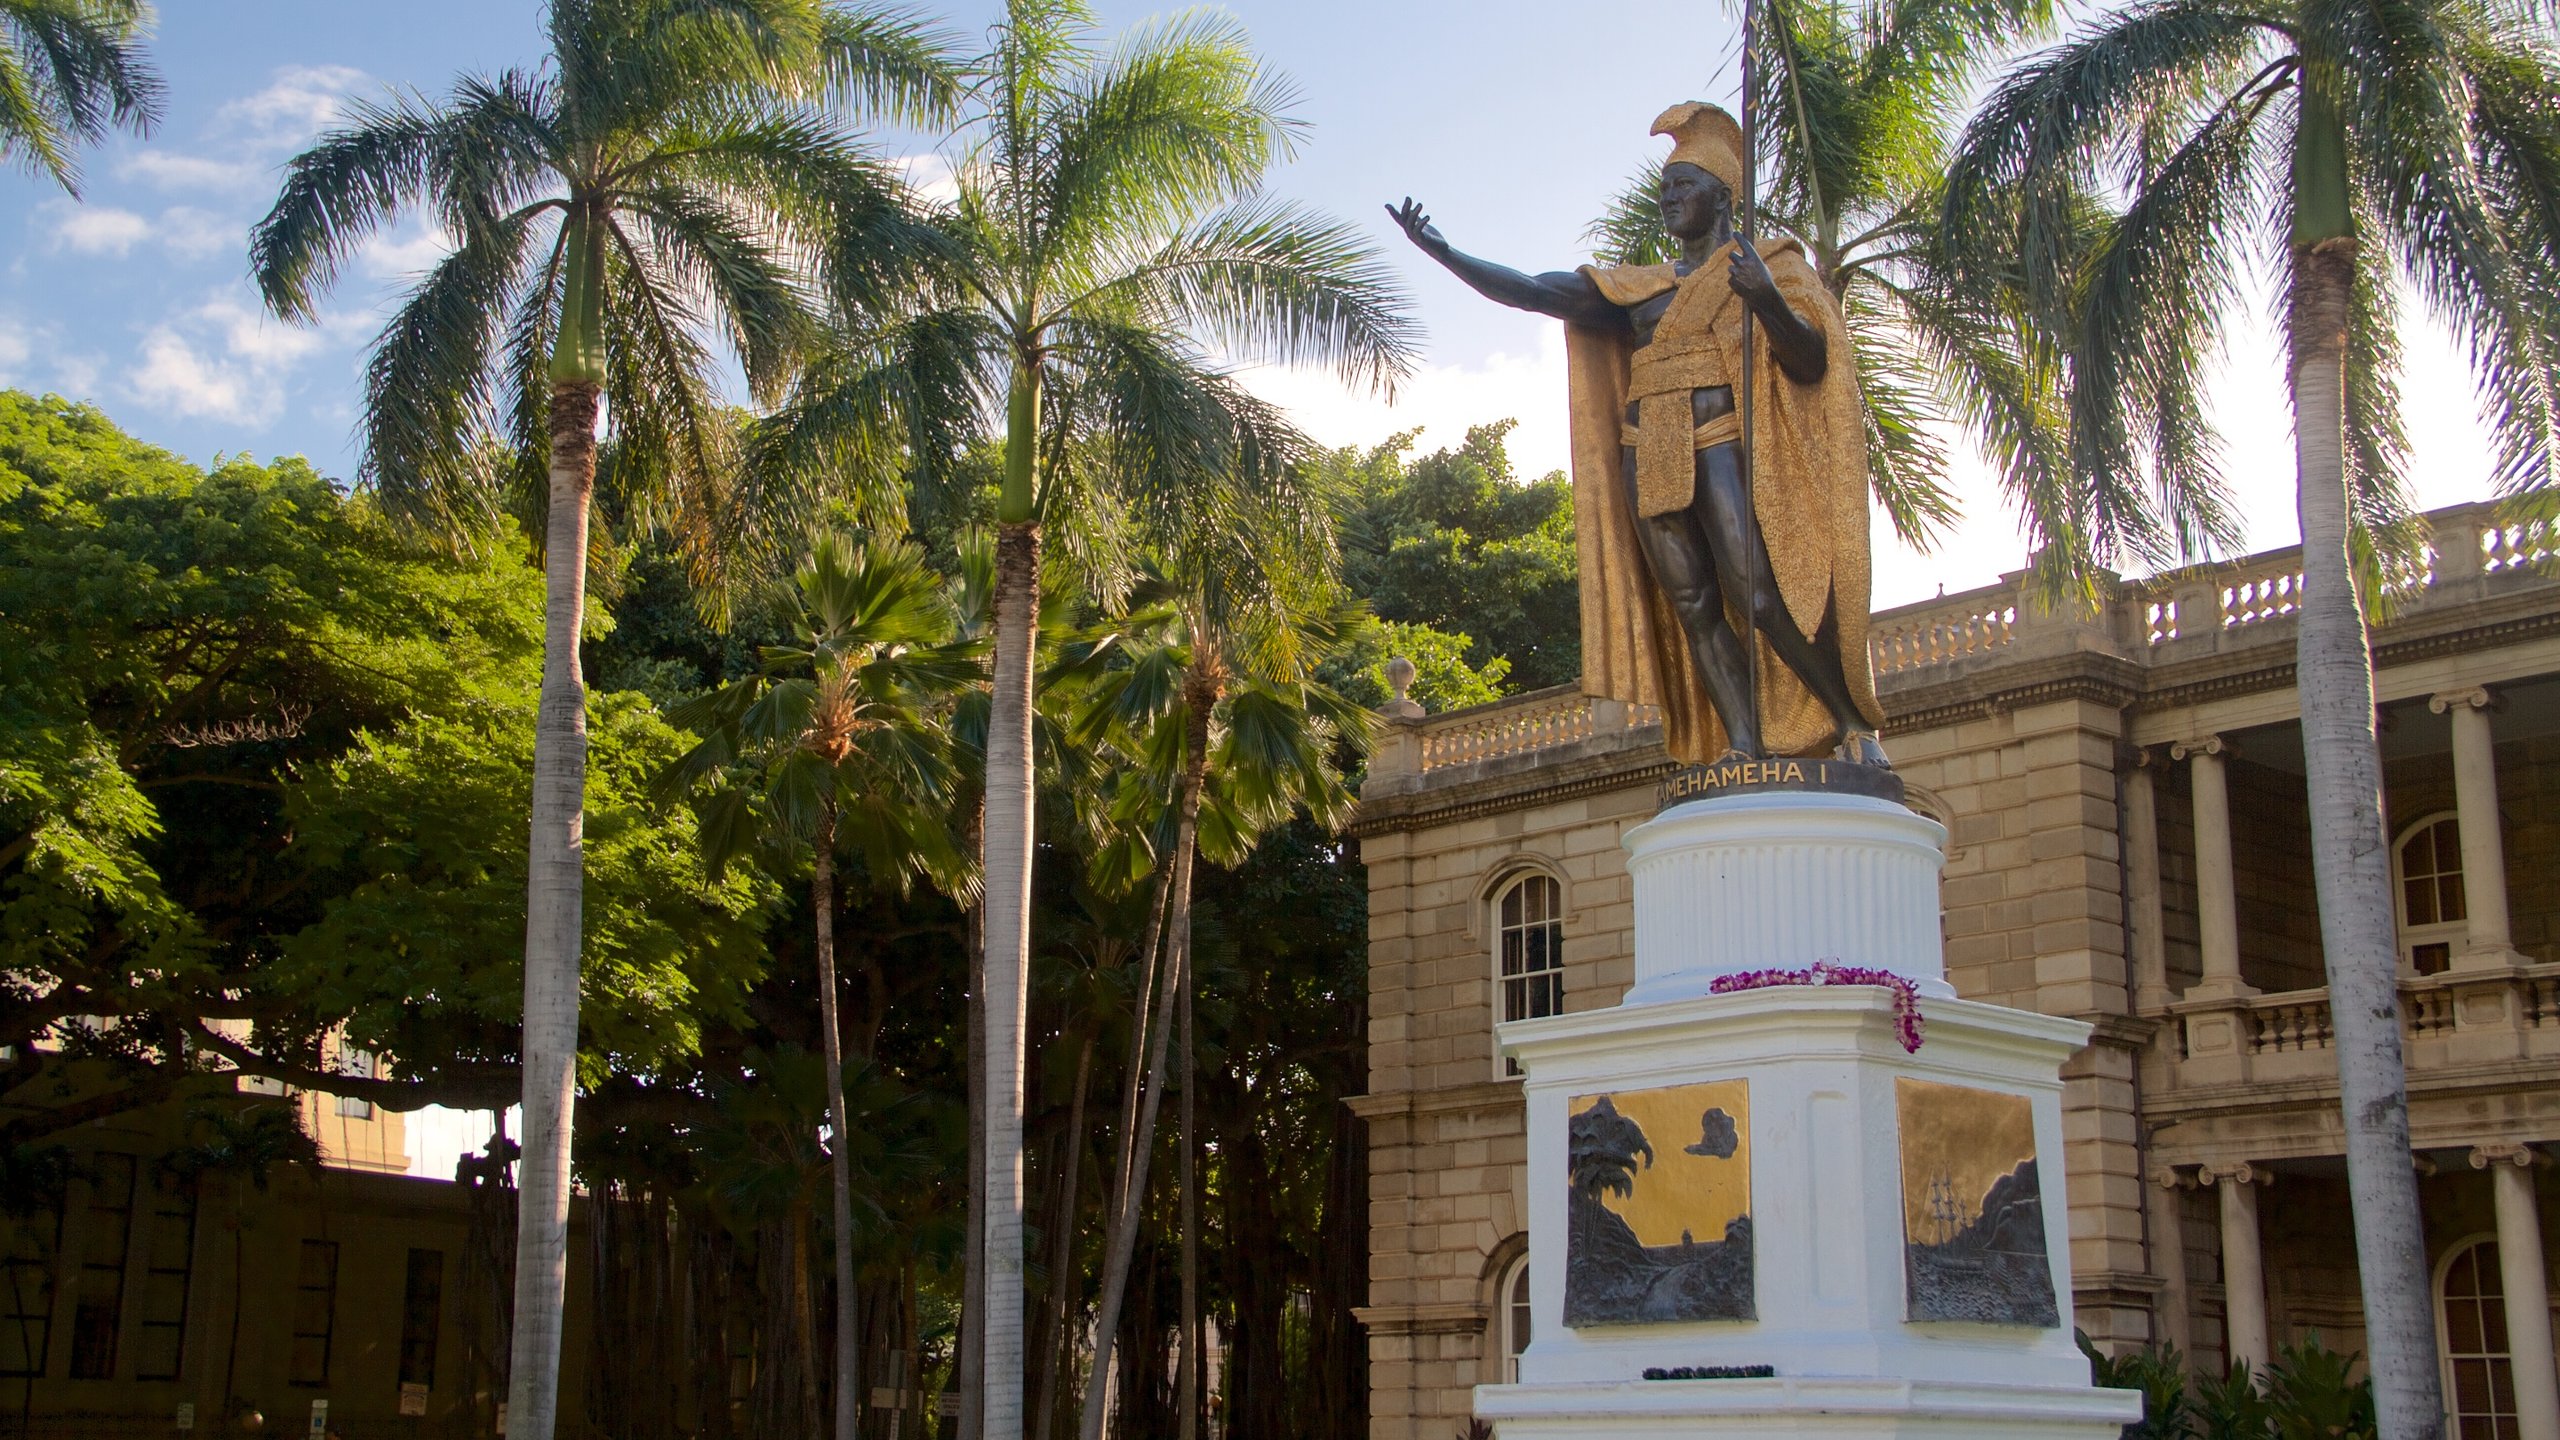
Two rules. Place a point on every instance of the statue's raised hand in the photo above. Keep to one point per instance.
(1417, 226)
(1750, 274)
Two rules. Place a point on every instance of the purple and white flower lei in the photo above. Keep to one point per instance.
(1906, 996)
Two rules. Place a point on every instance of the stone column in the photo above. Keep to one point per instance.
(2487, 940)
(2142, 877)
(2244, 1276)
(2217, 902)
(2528, 1297)
(2176, 1313)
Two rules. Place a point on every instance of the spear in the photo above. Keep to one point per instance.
(1744, 206)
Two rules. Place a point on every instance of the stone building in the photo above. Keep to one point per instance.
(2127, 821)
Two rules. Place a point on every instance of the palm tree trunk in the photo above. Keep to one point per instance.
(1203, 700)
(1062, 1252)
(2349, 850)
(1187, 1384)
(839, 1164)
(972, 1340)
(1008, 960)
(553, 925)
(1120, 1245)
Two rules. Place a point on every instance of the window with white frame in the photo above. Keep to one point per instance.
(1528, 950)
(1513, 1305)
(2471, 1328)
(2428, 864)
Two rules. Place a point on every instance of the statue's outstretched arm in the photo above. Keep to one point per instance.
(1567, 295)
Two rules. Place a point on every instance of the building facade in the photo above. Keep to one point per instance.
(2127, 844)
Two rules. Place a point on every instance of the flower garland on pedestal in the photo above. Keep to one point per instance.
(1906, 996)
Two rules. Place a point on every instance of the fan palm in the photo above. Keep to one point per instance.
(2351, 142)
(1107, 225)
(1207, 686)
(1857, 107)
(70, 70)
(661, 178)
(838, 749)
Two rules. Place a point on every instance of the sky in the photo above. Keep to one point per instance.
(1513, 124)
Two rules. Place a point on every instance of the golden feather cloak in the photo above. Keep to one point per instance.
(1808, 492)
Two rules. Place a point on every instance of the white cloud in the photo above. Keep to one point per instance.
(195, 234)
(226, 359)
(300, 102)
(238, 151)
(168, 170)
(1440, 400)
(175, 378)
(97, 229)
(16, 344)
(931, 176)
(405, 253)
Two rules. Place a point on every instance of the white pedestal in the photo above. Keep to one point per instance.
(1824, 1152)
(1780, 880)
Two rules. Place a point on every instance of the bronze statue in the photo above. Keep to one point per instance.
(1758, 580)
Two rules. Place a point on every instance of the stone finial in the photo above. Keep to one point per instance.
(1400, 673)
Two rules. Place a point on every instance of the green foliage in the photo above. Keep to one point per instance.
(1456, 542)
(70, 70)
(2420, 131)
(674, 173)
(2308, 1392)
(1442, 678)
(420, 947)
(258, 751)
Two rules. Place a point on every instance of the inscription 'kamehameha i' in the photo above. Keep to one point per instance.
(1737, 776)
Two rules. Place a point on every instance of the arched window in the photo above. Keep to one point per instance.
(2428, 861)
(2471, 1325)
(1514, 1319)
(1528, 951)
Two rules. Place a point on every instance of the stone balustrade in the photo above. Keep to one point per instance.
(2196, 610)
(2459, 1018)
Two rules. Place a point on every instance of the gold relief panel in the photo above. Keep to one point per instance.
(1972, 1207)
(1659, 1206)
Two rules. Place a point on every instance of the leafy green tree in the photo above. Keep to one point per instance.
(1108, 221)
(2358, 142)
(1456, 541)
(175, 646)
(70, 70)
(835, 733)
(661, 178)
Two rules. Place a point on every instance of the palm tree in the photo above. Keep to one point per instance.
(70, 70)
(659, 179)
(1212, 697)
(2360, 142)
(1857, 108)
(840, 750)
(1107, 223)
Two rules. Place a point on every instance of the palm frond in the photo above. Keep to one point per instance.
(70, 71)
(350, 183)
(1269, 280)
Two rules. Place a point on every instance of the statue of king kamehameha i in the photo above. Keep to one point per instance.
(1706, 582)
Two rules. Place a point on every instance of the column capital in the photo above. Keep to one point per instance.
(2443, 702)
(2238, 1172)
(2213, 745)
(2500, 1153)
(2175, 1177)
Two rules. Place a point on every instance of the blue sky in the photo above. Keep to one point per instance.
(1510, 120)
